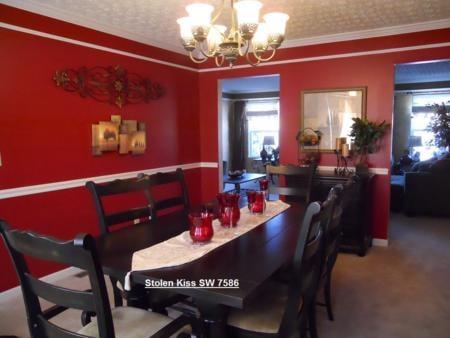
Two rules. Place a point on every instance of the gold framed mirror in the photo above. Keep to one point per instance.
(330, 112)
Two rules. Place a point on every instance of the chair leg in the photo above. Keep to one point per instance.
(118, 301)
(303, 327)
(312, 320)
(161, 310)
(327, 294)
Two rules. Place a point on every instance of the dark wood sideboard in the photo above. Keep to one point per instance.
(356, 226)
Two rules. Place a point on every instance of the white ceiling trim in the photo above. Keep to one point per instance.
(80, 20)
(93, 46)
(332, 56)
(371, 33)
(56, 13)
(215, 69)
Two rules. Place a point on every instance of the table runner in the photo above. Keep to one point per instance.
(179, 250)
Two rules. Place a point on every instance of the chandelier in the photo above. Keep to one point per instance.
(257, 41)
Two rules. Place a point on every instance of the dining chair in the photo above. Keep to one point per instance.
(100, 191)
(157, 300)
(288, 309)
(333, 232)
(297, 181)
(80, 252)
(175, 196)
(179, 198)
(125, 187)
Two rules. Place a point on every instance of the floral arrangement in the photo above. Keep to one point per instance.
(309, 137)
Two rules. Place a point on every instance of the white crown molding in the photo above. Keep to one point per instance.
(93, 46)
(80, 182)
(77, 19)
(332, 56)
(60, 14)
(369, 33)
(215, 69)
(380, 242)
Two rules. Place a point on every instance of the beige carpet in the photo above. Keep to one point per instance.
(402, 291)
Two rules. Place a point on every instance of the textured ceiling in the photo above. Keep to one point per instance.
(153, 21)
(422, 72)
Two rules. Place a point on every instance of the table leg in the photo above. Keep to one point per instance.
(237, 187)
(214, 319)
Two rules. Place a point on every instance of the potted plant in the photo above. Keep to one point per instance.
(440, 126)
(366, 136)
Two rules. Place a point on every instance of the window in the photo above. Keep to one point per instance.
(422, 139)
(263, 120)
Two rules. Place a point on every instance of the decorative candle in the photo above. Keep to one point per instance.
(345, 150)
(338, 144)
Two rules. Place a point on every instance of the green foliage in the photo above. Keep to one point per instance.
(366, 135)
(440, 125)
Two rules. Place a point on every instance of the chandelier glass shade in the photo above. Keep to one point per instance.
(247, 37)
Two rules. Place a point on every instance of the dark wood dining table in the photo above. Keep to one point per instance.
(251, 259)
(246, 177)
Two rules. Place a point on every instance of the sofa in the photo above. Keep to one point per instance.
(427, 191)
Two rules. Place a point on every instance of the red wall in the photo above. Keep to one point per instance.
(376, 72)
(45, 132)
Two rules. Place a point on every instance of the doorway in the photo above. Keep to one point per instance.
(248, 125)
(420, 153)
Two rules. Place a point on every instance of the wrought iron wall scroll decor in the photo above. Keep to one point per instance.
(108, 84)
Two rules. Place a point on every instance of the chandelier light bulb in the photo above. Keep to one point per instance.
(186, 33)
(215, 38)
(247, 12)
(276, 25)
(260, 39)
(200, 15)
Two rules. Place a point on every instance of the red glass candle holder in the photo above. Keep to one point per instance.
(201, 229)
(260, 203)
(229, 212)
(264, 186)
(251, 196)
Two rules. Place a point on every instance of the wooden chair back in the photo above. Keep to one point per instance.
(81, 253)
(160, 179)
(333, 230)
(307, 265)
(117, 187)
(298, 181)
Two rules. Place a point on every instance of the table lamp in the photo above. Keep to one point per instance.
(268, 144)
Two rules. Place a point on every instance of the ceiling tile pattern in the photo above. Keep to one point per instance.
(154, 20)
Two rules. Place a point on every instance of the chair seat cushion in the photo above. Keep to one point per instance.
(265, 313)
(130, 322)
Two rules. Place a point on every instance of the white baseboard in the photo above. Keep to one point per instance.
(379, 242)
(51, 278)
